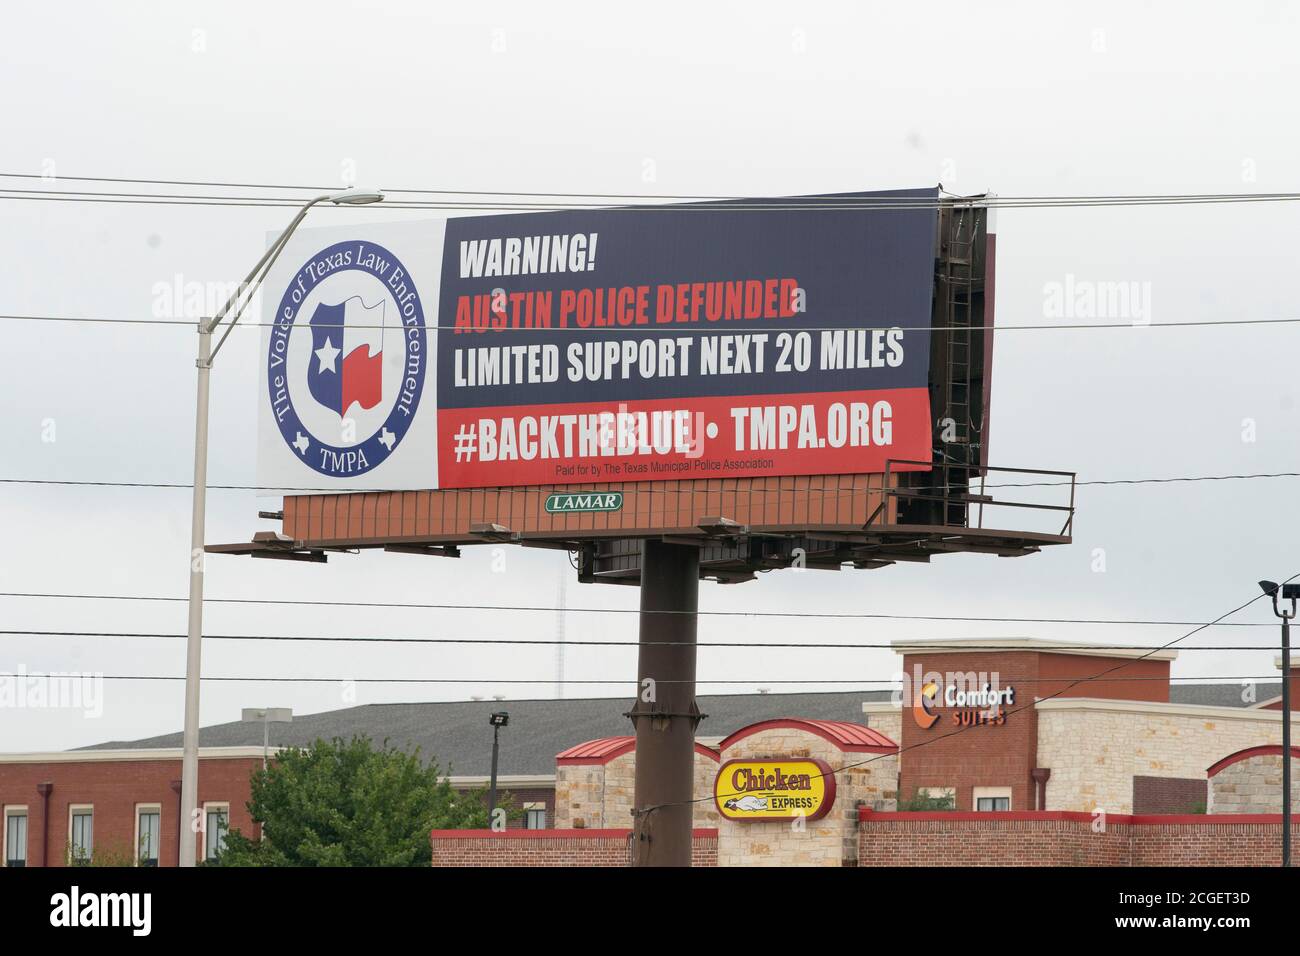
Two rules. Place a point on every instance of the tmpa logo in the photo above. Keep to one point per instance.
(346, 387)
(74, 908)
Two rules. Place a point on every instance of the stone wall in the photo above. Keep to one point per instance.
(830, 841)
(599, 796)
(1253, 785)
(1095, 748)
(884, 717)
(549, 848)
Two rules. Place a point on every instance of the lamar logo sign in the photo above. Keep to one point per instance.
(753, 790)
(584, 501)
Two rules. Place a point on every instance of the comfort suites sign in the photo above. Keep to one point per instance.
(755, 790)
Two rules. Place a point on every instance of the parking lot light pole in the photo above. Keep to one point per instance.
(1288, 592)
(497, 720)
(266, 716)
(193, 649)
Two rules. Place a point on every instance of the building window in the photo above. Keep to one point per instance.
(148, 833)
(992, 799)
(81, 835)
(15, 836)
(216, 821)
(535, 816)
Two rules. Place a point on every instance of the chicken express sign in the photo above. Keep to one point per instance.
(755, 790)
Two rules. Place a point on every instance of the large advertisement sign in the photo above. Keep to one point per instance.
(600, 345)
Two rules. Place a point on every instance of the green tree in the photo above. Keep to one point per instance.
(927, 803)
(340, 803)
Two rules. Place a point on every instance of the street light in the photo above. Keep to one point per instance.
(193, 646)
(498, 720)
(1287, 592)
(267, 716)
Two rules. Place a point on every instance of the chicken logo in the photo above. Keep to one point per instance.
(753, 791)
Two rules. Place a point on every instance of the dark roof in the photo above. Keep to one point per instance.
(457, 735)
(1222, 695)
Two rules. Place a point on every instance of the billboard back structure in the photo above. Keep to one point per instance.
(788, 381)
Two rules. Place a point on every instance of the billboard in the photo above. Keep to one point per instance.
(601, 345)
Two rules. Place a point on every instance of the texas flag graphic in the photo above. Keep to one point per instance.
(347, 355)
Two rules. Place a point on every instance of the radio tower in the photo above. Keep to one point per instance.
(559, 635)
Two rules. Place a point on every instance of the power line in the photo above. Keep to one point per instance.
(822, 615)
(676, 328)
(737, 208)
(85, 483)
(549, 642)
(1009, 713)
(841, 200)
(577, 195)
(1209, 681)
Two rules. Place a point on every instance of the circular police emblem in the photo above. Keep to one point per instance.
(345, 365)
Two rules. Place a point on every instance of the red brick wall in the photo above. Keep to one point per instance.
(1233, 844)
(1060, 838)
(1295, 693)
(550, 848)
(1136, 680)
(1169, 795)
(114, 787)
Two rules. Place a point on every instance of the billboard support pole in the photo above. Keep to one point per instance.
(665, 713)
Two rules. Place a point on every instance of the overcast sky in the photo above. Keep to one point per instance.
(671, 98)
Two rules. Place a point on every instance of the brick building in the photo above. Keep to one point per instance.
(1063, 738)
(1037, 734)
(62, 807)
(112, 797)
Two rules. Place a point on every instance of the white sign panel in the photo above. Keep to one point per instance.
(348, 359)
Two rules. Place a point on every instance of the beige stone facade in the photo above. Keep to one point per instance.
(1253, 785)
(885, 717)
(830, 841)
(599, 796)
(1094, 748)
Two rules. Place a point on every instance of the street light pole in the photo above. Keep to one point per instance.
(497, 720)
(193, 645)
(194, 637)
(1287, 592)
(266, 716)
(1286, 734)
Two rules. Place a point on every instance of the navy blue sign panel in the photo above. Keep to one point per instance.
(596, 284)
